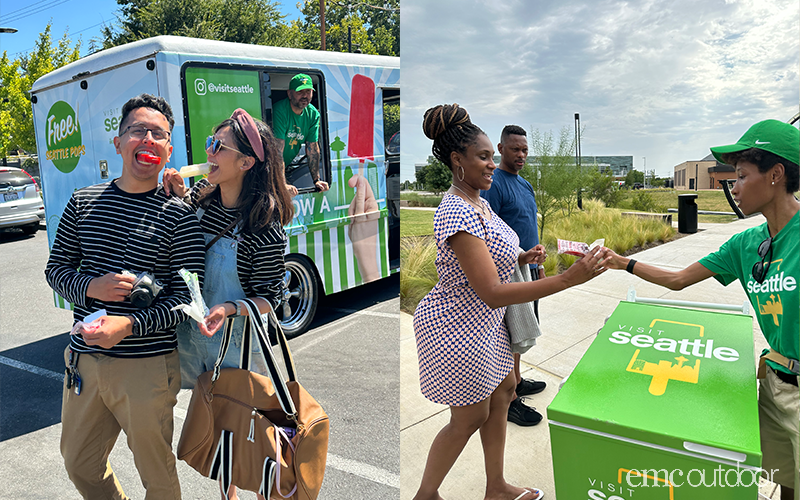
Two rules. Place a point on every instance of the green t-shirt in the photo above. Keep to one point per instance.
(776, 300)
(294, 129)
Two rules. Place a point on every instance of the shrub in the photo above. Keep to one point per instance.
(644, 202)
(417, 271)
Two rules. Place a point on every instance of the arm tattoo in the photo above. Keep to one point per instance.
(313, 159)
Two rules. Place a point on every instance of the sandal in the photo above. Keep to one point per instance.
(533, 491)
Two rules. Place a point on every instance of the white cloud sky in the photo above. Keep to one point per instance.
(658, 79)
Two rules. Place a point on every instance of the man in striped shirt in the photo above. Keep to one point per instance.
(125, 375)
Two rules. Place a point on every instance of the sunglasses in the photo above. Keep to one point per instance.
(760, 268)
(215, 145)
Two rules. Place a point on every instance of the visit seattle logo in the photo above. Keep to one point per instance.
(63, 131)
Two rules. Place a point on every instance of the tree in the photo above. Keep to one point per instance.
(419, 175)
(16, 114)
(374, 26)
(435, 177)
(603, 186)
(554, 176)
(633, 177)
(257, 22)
(391, 119)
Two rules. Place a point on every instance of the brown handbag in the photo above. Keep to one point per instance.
(259, 433)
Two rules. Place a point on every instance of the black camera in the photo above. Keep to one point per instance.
(145, 289)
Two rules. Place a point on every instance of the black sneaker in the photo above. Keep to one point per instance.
(528, 387)
(520, 414)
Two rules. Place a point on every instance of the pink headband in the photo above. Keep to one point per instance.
(248, 126)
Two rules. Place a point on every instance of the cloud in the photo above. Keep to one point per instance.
(661, 79)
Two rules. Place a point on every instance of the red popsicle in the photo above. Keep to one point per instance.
(362, 118)
(148, 158)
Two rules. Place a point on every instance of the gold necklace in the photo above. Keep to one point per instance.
(477, 204)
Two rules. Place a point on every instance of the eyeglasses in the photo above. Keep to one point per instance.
(139, 132)
(760, 268)
(214, 145)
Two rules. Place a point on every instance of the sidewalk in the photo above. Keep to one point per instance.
(570, 321)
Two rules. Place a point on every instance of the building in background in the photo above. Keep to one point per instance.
(702, 174)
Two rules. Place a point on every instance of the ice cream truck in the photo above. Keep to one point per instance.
(331, 247)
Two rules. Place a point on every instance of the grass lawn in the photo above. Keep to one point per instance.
(713, 200)
(416, 222)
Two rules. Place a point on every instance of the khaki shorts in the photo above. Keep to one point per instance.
(779, 416)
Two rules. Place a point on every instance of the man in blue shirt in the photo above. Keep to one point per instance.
(512, 198)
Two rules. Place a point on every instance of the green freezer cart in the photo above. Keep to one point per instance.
(662, 406)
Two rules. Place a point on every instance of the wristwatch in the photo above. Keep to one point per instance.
(136, 328)
(237, 305)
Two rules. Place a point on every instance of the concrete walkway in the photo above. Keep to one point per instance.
(570, 321)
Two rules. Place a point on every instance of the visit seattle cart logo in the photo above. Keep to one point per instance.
(64, 143)
(685, 367)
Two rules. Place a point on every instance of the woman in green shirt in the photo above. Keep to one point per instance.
(765, 260)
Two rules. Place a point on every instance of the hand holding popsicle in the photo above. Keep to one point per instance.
(173, 183)
(587, 267)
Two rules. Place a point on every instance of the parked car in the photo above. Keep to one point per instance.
(20, 203)
(637, 185)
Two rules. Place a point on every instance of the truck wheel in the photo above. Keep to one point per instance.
(30, 228)
(300, 296)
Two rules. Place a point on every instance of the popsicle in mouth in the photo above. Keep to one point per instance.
(148, 158)
(362, 119)
(195, 170)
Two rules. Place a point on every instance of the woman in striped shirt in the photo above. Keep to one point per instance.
(245, 200)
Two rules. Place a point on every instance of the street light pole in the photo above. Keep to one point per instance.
(578, 153)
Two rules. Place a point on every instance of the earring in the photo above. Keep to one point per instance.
(462, 173)
(773, 183)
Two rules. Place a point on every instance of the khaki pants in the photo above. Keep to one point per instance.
(779, 417)
(133, 394)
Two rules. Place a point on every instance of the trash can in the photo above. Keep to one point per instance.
(687, 213)
(662, 406)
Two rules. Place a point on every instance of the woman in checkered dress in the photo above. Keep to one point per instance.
(464, 352)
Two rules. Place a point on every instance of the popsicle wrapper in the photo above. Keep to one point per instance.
(197, 310)
(577, 248)
(89, 324)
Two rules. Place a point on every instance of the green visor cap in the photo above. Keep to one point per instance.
(774, 136)
(301, 82)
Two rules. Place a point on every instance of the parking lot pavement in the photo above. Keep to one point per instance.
(348, 361)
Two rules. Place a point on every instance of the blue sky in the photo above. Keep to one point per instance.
(83, 18)
(657, 79)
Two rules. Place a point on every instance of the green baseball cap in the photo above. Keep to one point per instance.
(301, 82)
(775, 136)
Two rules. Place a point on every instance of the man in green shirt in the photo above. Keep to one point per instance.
(765, 261)
(296, 121)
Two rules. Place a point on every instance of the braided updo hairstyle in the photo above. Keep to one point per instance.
(450, 129)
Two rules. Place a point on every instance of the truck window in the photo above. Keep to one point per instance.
(304, 159)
